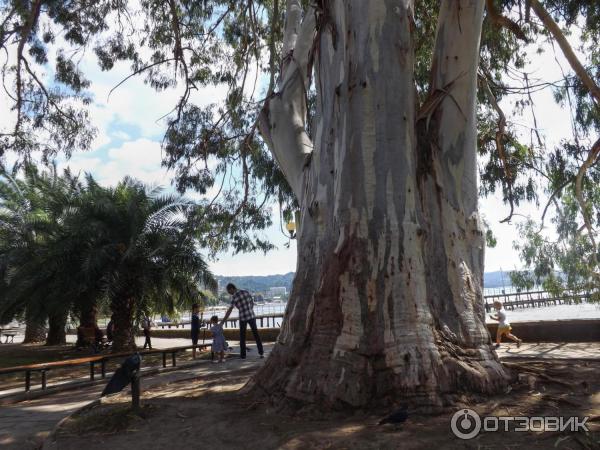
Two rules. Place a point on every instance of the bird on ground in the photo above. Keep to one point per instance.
(398, 416)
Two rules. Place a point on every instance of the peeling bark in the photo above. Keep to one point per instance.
(387, 304)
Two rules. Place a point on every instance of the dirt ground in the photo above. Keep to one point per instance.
(211, 412)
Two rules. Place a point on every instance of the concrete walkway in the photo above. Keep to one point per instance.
(551, 350)
(24, 425)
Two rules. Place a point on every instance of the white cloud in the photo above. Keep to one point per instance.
(282, 260)
(140, 159)
(136, 104)
(119, 134)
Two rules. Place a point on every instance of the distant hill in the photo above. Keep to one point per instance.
(258, 283)
(496, 279)
(263, 283)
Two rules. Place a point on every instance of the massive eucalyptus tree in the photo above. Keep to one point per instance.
(370, 126)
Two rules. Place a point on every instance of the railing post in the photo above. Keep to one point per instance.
(103, 367)
(135, 393)
(92, 370)
(173, 358)
(27, 380)
(164, 359)
(43, 380)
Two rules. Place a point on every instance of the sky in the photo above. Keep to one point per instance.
(129, 143)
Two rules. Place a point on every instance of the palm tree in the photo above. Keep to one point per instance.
(142, 248)
(32, 210)
(67, 245)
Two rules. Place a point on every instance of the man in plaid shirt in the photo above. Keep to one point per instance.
(243, 301)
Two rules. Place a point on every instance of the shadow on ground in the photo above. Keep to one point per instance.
(210, 411)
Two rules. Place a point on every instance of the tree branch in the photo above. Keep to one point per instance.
(24, 37)
(553, 199)
(502, 21)
(282, 121)
(46, 93)
(272, 56)
(592, 156)
(500, 134)
(293, 19)
(556, 32)
(455, 61)
(133, 74)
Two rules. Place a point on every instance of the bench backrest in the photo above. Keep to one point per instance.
(9, 330)
(93, 359)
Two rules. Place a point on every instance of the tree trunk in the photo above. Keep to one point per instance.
(387, 303)
(56, 329)
(87, 319)
(89, 315)
(124, 333)
(35, 328)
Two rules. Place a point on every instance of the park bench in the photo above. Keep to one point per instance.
(93, 361)
(10, 333)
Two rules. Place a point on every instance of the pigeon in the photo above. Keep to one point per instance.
(123, 375)
(398, 416)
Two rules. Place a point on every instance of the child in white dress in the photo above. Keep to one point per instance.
(218, 344)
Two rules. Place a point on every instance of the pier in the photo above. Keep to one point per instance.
(535, 299)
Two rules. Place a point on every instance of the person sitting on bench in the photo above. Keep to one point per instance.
(90, 336)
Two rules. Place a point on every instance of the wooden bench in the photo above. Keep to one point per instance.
(43, 368)
(9, 333)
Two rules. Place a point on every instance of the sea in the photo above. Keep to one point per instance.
(579, 311)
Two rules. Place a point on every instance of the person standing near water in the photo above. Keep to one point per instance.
(147, 325)
(196, 323)
(504, 327)
(243, 301)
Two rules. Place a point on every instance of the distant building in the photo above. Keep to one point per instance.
(276, 292)
(221, 286)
